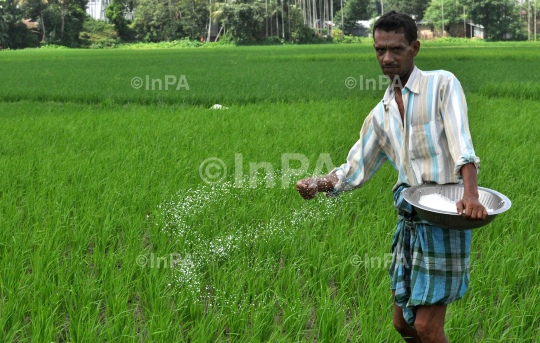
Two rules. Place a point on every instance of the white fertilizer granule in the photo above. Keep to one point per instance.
(441, 203)
(218, 107)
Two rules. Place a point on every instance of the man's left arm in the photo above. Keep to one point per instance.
(470, 206)
(456, 126)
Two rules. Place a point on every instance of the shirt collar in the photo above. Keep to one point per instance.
(413, 84)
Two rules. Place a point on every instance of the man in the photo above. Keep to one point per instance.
(421, 127)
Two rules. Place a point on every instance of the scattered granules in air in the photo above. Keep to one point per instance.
(440, 203)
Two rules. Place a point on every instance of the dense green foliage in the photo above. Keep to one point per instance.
(13, 33)
(353, 11)
(98, 177)
(498, 17)
(411, 7)
(243, 22)
(452, 14)
(115, 13)
(156, 20)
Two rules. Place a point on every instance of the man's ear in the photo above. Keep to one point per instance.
(415, 47)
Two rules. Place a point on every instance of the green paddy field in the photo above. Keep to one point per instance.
(102, 190)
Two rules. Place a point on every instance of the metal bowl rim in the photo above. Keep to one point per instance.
(406, 196)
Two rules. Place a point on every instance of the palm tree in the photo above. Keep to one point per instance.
(216, 12)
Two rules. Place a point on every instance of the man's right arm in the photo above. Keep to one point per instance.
(364, 159)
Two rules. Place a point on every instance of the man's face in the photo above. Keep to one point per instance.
(394, 53)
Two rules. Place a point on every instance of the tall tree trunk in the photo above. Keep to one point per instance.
(282, 20)
(529, 18)
(314, 5)
(289, 16)
(63, 2)
(209, 22)
(324, 13)
(442, 12)
(308, 12)
(271, 26)
(266, 19)
(332, 16)
(42, 24)
(221, 28)
(305, 13)
(327, 14)
(320, 17)
(277, 19)
(464, 24)
(342, 28)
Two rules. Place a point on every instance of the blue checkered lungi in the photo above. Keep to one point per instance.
(430, 265)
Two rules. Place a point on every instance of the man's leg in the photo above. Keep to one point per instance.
(429, 323)
(405, 330)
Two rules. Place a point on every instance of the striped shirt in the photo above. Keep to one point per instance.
(439, 142)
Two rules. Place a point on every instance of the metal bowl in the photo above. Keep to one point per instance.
(487, 197)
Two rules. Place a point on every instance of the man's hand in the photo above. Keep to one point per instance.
(308, 188)
(471, 208)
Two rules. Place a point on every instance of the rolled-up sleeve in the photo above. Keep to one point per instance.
(456, 125)
(364, 159)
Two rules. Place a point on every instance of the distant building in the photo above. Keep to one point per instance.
(362, 28)
(426, 30)
(97, 8)
(319, 24)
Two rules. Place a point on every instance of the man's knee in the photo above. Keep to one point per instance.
(401, 326)
(429, 331)
(429, 323)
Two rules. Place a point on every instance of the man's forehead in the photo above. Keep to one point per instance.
(388, 39)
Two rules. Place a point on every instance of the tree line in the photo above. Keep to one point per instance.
(244, 21)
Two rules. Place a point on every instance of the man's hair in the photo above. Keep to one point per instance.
(394, 21)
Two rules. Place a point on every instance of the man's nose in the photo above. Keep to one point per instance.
(388, 58)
